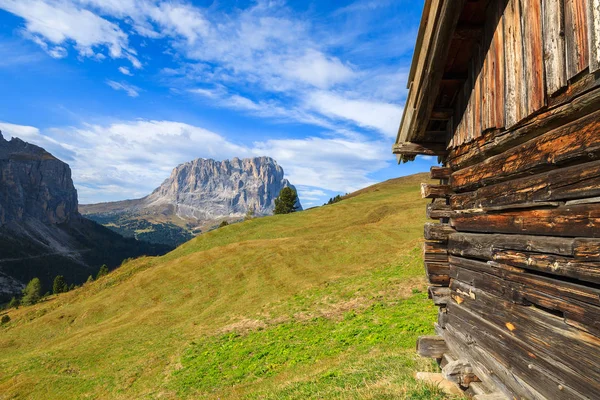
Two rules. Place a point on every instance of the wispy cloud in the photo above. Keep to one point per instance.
(125, 71)
(132, 91)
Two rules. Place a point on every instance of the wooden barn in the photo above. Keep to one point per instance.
(506, 93)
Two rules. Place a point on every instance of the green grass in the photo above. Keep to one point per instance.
(325, 303)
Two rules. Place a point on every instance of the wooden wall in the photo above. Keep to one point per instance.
(530, 51)
(514, 262)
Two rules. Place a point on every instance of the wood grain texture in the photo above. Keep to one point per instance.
(576, 36)
(499, 67)
(578, 140)
(533, 55)
(438, 232)
(515, 91)
(569, 221)
(554, 45)
(576, 182)
(593, 22)
(429, 191)
(432, 346)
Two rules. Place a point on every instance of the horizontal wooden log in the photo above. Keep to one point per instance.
(429, 191)
(428, 149)
(565, 109)
(586, 249)
(576, 141)
(442, 280)
(576, 182)
(482, 246)
(514, 279)
(571, 221)
(443, 315)
(487, 367)
(437, 268)
(442, 114)
(438, 210)
(547, 376)
(432, 346)
(435, 248)
(551, 264)
(440, 172)
(438, 231)
(546, 335)
(435, 257)
(439, 295)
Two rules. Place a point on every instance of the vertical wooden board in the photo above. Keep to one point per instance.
(485, 92)
(533, 52)
(554, 45)
(576, 46)
(499, 72)
(593, 21)
(476, 95)
(513, 51)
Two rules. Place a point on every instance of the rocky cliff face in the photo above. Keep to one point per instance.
(42, 233)
(34, 184)
(208, 189)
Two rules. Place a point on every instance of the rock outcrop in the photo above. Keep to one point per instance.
(34, 184)
(206, 189)
(196, 197)
(42, 233)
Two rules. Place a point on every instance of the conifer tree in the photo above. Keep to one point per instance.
(59, 285)
(103, 271)
(14, 303)
(286, 202)
(32, 292)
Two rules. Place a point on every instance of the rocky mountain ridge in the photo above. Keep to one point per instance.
(200, 193)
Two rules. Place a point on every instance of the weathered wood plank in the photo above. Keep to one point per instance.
(440, 172)
(586, 249)
(578, 140)
(576, 34)
(429, 191)
(483, 246)
(515, 91)
(554, 45)
(439, 295)
(431, 346)
(429, 149)
(437, 267)
(576, 182)
(499, 66)
(551, 264)
(593, 22)
(439, 232)
(548, 376)
(487, 367)
(547, 335)
(533, 55)
(579, 100)
(438, 210)
(477, 95)
(574, 221)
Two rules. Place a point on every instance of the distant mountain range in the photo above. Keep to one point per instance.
(196, 197)
(42, 234)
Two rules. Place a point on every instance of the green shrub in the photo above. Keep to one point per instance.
(223, 223)
(14, 303)
(286, 202)
(5, 319)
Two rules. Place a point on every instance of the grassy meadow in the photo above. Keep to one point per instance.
(324, 304)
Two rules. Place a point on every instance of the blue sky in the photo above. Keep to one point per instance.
(125, 90)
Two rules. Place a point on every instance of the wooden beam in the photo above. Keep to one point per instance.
(440, 172)
(429, 149)
(439, 295)
(433, 346)
(468, 32)
(429, 191)
(438, 210)
(439, 232)
(441, 114)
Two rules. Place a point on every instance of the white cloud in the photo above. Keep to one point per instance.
(129, 159)
(381, 116)
(125, 71)
(318, 70)
(132, 91)
(53, 23)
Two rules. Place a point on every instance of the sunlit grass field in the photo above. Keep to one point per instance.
(324, 304)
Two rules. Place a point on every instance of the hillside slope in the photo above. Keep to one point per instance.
(326, 303)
